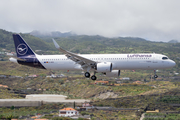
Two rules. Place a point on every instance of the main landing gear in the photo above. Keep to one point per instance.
(155, 76)
(87, 75)
(93, 77)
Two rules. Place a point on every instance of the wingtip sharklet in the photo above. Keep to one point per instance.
(55, 43)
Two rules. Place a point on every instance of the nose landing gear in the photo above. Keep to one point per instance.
(155, 76)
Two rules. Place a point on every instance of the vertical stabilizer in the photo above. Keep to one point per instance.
(22, 48)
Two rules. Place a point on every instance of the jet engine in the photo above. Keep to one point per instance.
(104, 67)
(113, 73)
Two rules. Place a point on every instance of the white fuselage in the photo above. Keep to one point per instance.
(119, 61)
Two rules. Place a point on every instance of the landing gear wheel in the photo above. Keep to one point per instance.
(155, 76)
(87, 74)
(93, 77)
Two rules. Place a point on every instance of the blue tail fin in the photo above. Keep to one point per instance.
(22, 48)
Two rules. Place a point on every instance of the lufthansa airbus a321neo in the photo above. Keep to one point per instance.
(108, 64)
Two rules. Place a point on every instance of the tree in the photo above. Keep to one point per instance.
(12, 107)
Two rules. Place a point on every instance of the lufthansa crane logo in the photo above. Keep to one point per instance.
(22, 49)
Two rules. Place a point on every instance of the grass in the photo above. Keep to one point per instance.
(131, 89)
(155, 116)
(5, 94)
(26, 111)
(106, 115)
(10, 68)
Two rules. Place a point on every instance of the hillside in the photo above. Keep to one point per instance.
(7, 42)
(92, 44)
(147, 96)
(10, 68)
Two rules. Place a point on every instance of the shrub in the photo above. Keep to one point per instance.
(84, 113)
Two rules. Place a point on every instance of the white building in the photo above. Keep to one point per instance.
(67, 112)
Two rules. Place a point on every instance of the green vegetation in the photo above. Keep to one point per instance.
(112, 115)
(170, 99)
(145, 102)
(84, 113)
(131, 89)
(155, 114)
(29, 111)
(13, 69)
(5, 94)
(161, 116)
(7, 42)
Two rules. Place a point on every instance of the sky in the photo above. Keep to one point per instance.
(155, 20)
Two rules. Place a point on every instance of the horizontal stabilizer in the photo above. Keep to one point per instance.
(16, 58)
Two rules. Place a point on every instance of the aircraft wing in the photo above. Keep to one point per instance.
(84, 62)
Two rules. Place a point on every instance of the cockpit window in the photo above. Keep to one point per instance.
(164, 58)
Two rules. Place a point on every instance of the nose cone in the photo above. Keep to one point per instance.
(173, 63)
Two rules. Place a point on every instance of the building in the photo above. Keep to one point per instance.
(86, 105)
(9, 54)
(67, 112)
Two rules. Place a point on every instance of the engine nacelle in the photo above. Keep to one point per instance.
(104, 67)
(113, 73)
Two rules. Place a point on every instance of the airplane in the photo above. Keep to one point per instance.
(108, 64)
